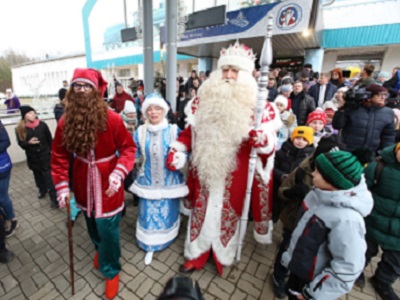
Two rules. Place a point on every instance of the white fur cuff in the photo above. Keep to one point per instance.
(264, 239)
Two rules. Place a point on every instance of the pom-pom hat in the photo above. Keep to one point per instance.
(92, 77)
(317, 115)
(237, 55)
(154, 99)
(341, 169)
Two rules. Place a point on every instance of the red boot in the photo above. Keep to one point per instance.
(96, 260)
(112, 286)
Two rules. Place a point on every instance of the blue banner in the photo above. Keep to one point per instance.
(237, 21)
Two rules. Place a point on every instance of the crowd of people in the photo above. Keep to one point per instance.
(327, 156)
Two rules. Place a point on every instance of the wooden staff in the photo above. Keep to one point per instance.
(70, 246)
(265, 61)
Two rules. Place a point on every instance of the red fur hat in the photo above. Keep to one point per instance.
(317, 114)
(92, 77)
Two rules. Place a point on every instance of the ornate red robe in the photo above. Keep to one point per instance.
(216, 212)
(90, 174)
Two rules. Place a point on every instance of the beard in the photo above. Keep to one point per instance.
(85, 114)
(223, 120)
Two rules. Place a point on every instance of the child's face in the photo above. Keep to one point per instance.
(300, 142)
(321, 183)
(280, 107)
(317, 125)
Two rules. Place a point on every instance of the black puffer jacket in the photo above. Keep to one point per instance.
(38, 155)
(366, 126)
(289, 158)
(302, 106)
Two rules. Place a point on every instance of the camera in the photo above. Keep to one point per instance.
(355, 96)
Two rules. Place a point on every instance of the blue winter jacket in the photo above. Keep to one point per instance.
(327, 248)
(5, 161)
(366, 126)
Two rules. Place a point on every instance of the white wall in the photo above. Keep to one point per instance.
(329, 62)
(391, 58)
(45, 77)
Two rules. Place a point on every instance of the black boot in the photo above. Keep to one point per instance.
(279, 288)
(360, 282)
(6, 256)
(384, 290)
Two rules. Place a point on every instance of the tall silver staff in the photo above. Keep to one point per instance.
(265, 61)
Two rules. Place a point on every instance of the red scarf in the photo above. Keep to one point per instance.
(32, 124)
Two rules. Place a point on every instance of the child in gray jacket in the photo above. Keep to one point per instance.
(327, 248)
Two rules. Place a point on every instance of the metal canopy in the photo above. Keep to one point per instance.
(284, 45)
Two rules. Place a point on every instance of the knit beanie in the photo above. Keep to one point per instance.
(341, 169)
(282, 100)
(286, 88)
(317, 114)
(25, 109)
(129, 107)
(304, 132)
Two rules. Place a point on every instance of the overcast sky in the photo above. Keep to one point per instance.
(37, 27)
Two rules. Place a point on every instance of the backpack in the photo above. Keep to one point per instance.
(380, 164)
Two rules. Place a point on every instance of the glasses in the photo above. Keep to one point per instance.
(78, 87)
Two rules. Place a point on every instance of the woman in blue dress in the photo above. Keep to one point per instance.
(158, 188)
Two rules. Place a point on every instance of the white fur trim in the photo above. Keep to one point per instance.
(264, 239)
(178, 146)
(265, 173)
(182, 209)
(243, 63)
(154, 100)
(157, 238)
(159, 194)
(157, 127)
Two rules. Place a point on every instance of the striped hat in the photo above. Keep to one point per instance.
(341, 169)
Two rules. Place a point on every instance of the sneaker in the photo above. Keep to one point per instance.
(6, 256)
(11, 231)
(360, 282)
(279, 288)
(54, 205)
(384, 290)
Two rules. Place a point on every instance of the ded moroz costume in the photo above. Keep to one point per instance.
(220, 137)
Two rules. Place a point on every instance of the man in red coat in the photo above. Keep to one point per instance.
(104, 154)
(118, 101)
(220, 138)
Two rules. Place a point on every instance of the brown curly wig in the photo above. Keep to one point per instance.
(85, 114)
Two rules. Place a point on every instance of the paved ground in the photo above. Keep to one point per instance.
(40, 270)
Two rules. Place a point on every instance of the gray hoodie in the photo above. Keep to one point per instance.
(328, 245)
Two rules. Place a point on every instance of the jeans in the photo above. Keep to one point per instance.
(280, 272)
(44, 183)
(5, 200)
(388, 269)
(2, 234)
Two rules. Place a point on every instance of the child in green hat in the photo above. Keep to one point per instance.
(326, 251)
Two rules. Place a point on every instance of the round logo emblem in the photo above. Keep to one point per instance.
(289, 16)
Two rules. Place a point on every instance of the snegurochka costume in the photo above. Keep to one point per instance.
(159, 189)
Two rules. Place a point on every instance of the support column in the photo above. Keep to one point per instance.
(148, 47)
(316, 58)
(171, 24)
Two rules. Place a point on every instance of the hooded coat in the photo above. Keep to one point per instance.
(327, 248)
(383, 225)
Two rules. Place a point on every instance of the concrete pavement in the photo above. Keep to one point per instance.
(40, 270)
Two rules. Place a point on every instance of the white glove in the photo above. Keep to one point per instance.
(115, 181)
(62, 195)
(179, 160)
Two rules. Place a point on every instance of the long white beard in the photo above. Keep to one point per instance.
(222, 123)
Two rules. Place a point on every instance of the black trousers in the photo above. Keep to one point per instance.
(44, 183)
(388, 269)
